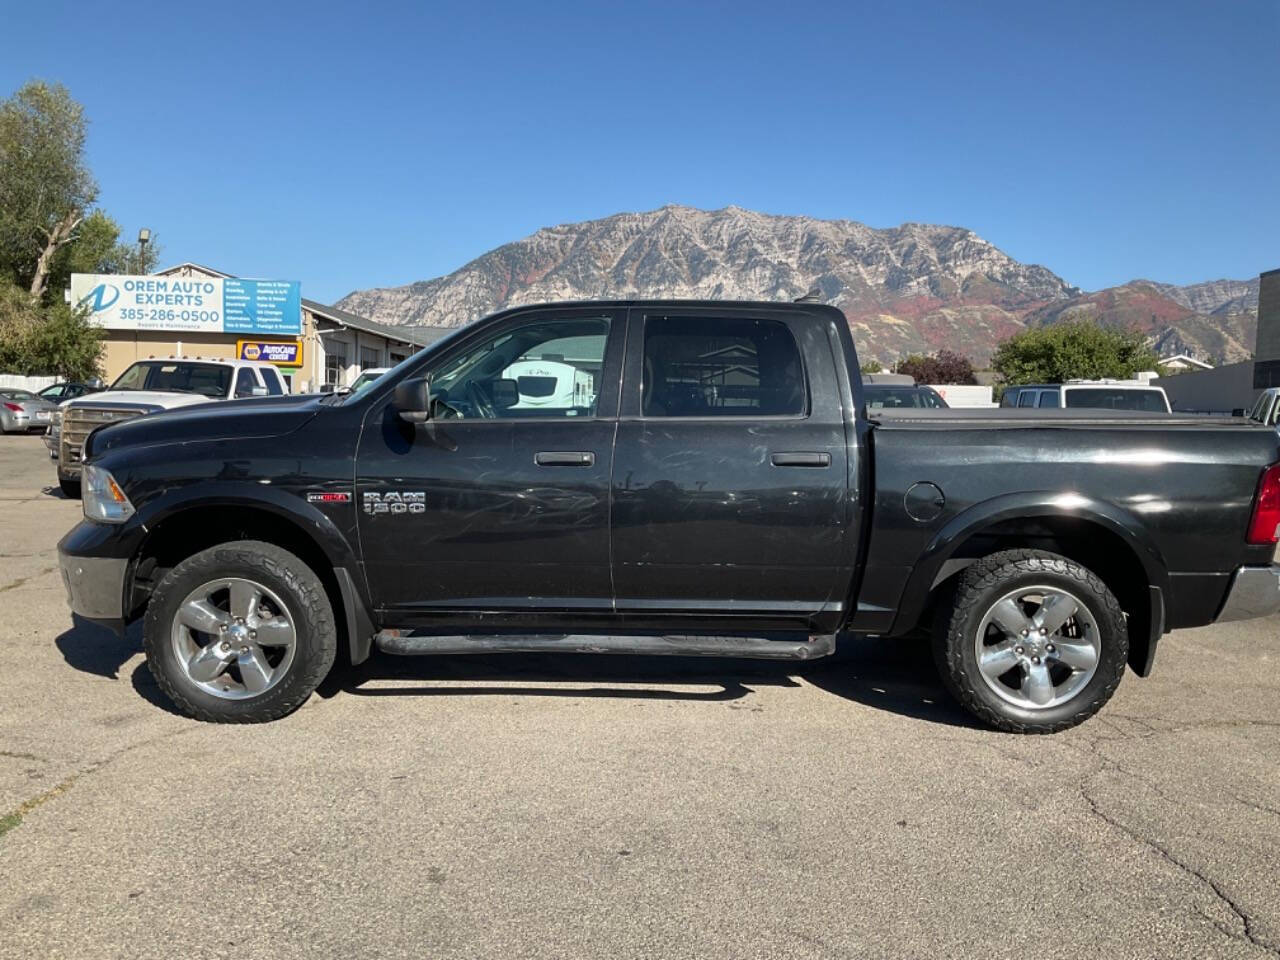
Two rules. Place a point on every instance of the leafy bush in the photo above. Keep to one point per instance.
(53, 340)
(1077, 350)
(945, 366)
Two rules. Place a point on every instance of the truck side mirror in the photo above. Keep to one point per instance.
(412, 400)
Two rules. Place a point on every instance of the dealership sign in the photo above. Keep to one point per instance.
(283, 353)
(189, 304)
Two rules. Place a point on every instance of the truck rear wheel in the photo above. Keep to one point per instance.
(240, 633)
(70, 487)
(1035, 643)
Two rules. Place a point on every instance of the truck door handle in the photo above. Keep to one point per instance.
(565, 458)
(800, 459)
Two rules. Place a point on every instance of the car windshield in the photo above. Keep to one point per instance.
(177, 376)
(894, 398)
(1102, 398)
(366, 379)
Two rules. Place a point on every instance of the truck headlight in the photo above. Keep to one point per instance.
(102, 497)
(55, 418)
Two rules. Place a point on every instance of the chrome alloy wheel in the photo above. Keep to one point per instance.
(234, 638)
(1038, 647)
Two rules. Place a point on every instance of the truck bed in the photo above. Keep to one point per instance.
(979, 417)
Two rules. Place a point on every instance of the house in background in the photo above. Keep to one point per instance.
(1182, 363)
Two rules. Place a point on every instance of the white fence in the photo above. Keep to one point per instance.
(13, 381)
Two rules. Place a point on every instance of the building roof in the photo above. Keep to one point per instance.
(415, 336)
(1188, 360)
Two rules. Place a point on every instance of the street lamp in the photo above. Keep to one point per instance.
(144, 237)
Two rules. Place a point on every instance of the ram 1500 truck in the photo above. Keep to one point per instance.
(720, 491)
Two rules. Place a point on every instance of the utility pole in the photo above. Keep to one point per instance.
(144, 237)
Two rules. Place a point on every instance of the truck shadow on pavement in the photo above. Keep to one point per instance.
(97, 650)
(894, 676)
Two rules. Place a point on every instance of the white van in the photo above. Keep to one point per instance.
(1088, 395)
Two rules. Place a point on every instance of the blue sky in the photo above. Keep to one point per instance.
(381, 143)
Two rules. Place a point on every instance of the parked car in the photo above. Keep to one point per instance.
(1088, 395)
(69, 391)
(366, 377)
(22, 411)
(1266, 409)
(899, 397)
(149, 386)
(724, 491)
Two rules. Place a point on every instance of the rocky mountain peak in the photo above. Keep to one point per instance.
(913, 287)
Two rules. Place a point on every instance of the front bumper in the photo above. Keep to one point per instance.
(1254, 592)
(95, 586)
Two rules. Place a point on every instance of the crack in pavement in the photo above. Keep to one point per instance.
(1261, 807)
(12, 819)
(22, 756)
(1250, 934)
(25, 580)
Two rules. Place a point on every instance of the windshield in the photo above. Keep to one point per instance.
(1103, 398)
(1262, 409)
(365, 379)
(896, 398)
(177, 376)
(405, 364)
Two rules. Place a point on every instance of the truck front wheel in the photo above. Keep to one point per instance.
(1035, 643)
(240, 633)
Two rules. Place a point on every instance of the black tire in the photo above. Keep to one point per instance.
(980, 586)
(296, 584)
(70, 487)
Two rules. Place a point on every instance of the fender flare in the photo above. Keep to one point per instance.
(294, 510)
(1030, 506)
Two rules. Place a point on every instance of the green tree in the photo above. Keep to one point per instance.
(98, 249)
(54, 340)
(46, 189)
(48, 231)
(871, 366)
(1076, 350)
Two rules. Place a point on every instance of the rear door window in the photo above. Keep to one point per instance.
(272, 379)
(245, 382)
(721, 367)
(1048, 398)
(1027, 398)
(1102, 398)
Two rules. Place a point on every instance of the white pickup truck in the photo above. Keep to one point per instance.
(149, 386)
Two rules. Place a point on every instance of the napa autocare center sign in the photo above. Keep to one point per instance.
(189, 304)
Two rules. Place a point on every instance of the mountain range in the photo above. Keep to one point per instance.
(907, 289)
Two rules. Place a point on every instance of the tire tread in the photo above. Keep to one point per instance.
(306, 589)
(977, 581)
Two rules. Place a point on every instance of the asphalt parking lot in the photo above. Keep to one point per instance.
(614, 807)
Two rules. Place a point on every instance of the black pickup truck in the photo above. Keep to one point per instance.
(691, 478)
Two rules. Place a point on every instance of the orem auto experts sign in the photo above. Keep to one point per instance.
(189, 304)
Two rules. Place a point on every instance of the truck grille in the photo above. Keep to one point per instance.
(79, 422)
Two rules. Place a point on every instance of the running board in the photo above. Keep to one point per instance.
(407, 643)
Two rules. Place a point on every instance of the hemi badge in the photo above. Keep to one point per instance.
(328, 498)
